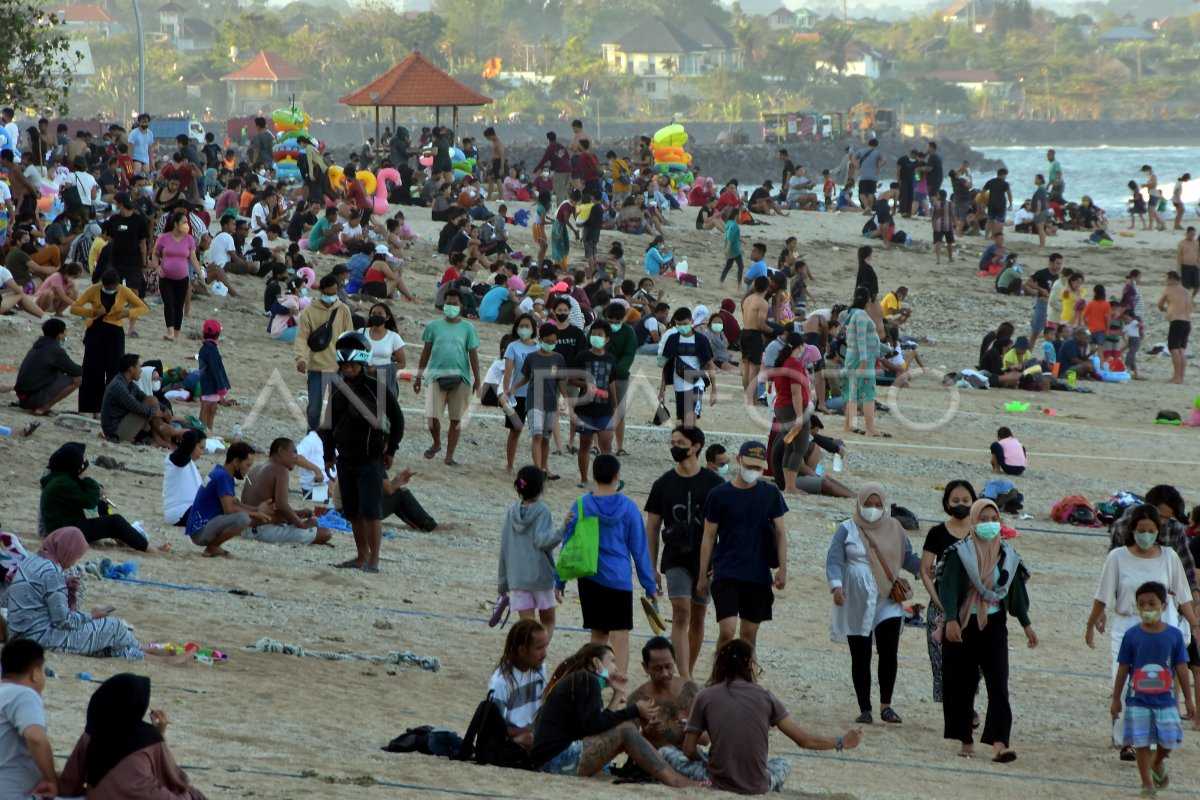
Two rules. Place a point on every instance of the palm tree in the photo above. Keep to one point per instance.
(839, 40)
(670, 67)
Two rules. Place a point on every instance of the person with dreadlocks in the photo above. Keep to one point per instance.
(738, 714)
(576, 734)
(520, 678)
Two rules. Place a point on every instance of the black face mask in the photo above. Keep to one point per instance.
(680, 453)
(238, 475)
(960, 512)
(377, 320)
(562, 317)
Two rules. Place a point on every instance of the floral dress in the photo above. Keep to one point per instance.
(862, 348)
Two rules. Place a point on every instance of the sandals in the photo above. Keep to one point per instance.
(864, 718)
(1160, 781)
(350, 564)
(1128, 754)
(500, 612)
(1005, 756)
(889, 715)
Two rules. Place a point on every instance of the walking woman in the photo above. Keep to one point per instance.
(858, 368)
(956, 502)
(793, 410)
(387, 348)
(106, 305)
(174, 258)
(1140, 561)
(981, 583)
(576, 733)
(863, 569)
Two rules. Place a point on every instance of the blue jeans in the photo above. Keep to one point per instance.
(318, 385)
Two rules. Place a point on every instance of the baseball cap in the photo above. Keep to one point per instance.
(561, 286)
(212, 328)
(381, 249)
(753, 454)
(1022, 343)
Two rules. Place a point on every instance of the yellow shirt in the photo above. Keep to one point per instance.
(584, 212)
(94, 252)
(126, 300)
(1067, 317)
(1013, 361)
(890, 304)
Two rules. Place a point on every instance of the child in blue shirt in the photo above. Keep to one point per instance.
(1149, 655)
(1050, 348)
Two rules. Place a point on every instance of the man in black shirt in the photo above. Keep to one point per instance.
(932, 169)
(304, 218)
(129, 243)
(675, 516)
(999, 201)
(1039, 284)
(906, 172)
(789, 169)
(761, 201)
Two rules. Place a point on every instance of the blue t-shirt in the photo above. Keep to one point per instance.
(742, 516)
(1069, 351)
(1152, 658)
(757, 269)
(489, 306)
(207, 505)
(518, 351)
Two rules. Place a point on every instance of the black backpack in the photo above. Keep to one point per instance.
(487, 740)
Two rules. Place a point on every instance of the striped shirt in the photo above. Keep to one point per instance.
(519, 695)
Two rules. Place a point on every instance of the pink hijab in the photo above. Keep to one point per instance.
(64, 547)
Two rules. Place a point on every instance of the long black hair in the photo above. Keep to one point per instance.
(794, 340)
(734, 661)
(1139, 513)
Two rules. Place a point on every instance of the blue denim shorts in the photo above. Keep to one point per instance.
(566, 762)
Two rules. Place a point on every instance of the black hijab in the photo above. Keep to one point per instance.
(116, 724)
(68, 459)
(187, 445)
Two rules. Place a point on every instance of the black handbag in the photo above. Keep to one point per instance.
(71, 197)
(322, 336)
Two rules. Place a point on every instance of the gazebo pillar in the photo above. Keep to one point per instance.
(377, 126)
(454, 124)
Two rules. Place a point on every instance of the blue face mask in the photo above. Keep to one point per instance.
(329, 299)
(603, 676)
(547, 348)
(684, 330)
(987, 530)
(616, 326)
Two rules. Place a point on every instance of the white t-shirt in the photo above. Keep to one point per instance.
(14, 139)
(350, 232)
(1133, 329)
(20, 707)
(258, 218)
(495, 373)
(86, 184)
(180, 485)
(5, 277)
(520, 696)
(1124, 572)
(382, 349)
(5, 194)
(313, 449)
(221, 249)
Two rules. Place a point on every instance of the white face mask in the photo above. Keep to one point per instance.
(751, 475)
(872, 514)
(156, 385)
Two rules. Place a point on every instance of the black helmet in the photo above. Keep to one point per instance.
(353, 347)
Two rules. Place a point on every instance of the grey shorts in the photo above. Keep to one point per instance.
(132, 427)
(280, 534)
(681, 583)
(541, 423)
(44, 396)
(218, 525)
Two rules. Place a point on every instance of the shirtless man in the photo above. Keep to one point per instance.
(269, 482)
(818, 330)
(672, 695)
(498, 168)
(1187, 261)
(578, 136)
(1177, 303)
(754, 333)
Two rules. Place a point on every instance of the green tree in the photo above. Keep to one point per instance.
(37, 62)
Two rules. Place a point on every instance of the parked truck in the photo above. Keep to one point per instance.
(167, 128)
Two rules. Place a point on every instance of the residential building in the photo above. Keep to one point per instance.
(264, 83)
(861, 59)
(186, 34)
(974, 81)
(784, 19)
(88, 17)
(666, 57)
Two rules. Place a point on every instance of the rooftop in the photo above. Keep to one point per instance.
(415, 81)
(266, 66)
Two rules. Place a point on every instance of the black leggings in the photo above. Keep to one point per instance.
(174, 295)
(887, 642)
(112, 526)
(729, 262)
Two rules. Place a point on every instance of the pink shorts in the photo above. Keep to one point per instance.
(214, 398)
(531, 601)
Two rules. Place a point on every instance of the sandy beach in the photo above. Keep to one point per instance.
(281, 727)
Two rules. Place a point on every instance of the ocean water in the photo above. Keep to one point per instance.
(1101, 172)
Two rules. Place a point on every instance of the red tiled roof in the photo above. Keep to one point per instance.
(266, 66)
(415, 81)
(86, 12)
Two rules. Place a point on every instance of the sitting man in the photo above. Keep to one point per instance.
(1073, 355)
(671, 694)
(398, 499)
(217, 515)
(28, 760)
(269, 483)
(894, 310)
(519, 681)
(47, 375)
(128, 414)
(762, 200)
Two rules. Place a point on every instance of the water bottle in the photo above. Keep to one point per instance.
(837, 462)
(237, 431)
(1071, 379)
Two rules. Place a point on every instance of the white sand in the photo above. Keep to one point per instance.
(279, 714)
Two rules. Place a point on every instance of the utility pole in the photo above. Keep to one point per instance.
(141, 37)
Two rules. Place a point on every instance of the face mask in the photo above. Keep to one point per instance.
(960, 512)
(723, 469)
(616, 326)
(1145, 539)
(603, 676)
(304, 292)
(684, 330)
(987, 530)
(63, 343)
(872, 514)
(751, 475)
(562, 317)
(1150, 616)
(598, 342)
(156, 385)
(717, 327)
(452, 312)
(376, 320)
(680, 453)
(109, 292)
(329, 299)
(547, 347)
(524, 333)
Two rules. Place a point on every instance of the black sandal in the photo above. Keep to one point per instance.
(889, 715)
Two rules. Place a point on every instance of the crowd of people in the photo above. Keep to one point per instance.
(714, 528)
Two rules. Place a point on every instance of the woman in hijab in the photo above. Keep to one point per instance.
(120, 756)
(39, 605)
(862, 566)
(68, 498)
(981, 582)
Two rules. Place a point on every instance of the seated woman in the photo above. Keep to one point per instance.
(380, 280)
(121, 756)
(39, 607)
(68, 498)
(181, 478)
(576, 734)
(58, 292)
(285, 311)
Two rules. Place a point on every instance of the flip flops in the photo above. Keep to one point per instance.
(653, 617)
(500, 612)
(1160, 781)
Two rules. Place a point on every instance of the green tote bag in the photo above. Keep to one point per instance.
(580, 555)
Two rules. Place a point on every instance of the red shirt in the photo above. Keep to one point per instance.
(699, 195)
(588, 167)
(727, 200)
(792, 373)
(356, 195)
